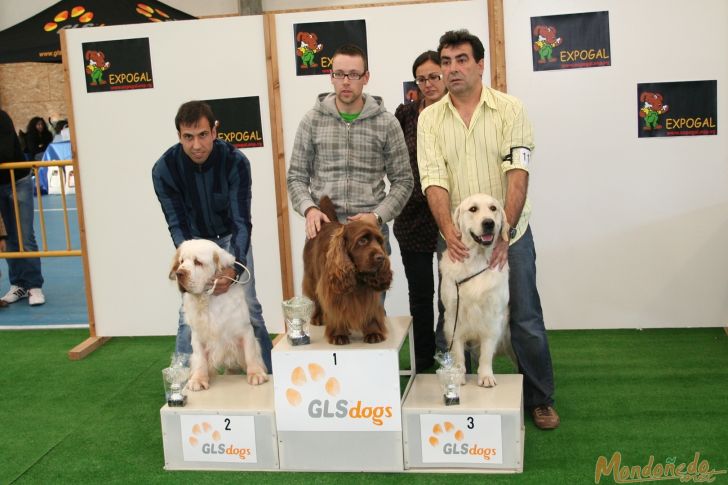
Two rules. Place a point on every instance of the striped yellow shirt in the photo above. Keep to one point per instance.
(469, 160)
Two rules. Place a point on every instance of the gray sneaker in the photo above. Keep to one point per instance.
(14, 294)
(35, 297)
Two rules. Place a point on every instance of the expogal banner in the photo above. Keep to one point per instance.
(316, 42)
(570, 41)
(115, 65)
(684, 108)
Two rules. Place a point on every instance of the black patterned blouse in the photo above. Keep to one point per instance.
(415, 228)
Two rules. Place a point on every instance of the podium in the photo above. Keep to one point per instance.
(230, 426)
(342, 408)
(484, 433)
(338, 407)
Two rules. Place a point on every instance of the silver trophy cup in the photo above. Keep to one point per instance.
(175, 380)
(297, 311)
(450, 379)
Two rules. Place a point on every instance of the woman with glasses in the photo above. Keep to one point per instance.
(415, 228)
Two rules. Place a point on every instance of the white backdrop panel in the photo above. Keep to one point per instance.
(121, 134)
(396, 35)
(629, 232)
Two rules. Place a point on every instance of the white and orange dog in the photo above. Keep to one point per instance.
(482, 316)
(222, 335)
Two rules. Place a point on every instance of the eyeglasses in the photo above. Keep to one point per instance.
(431, 77)
(353, 75)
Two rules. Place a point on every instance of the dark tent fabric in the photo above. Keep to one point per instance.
(36, 39)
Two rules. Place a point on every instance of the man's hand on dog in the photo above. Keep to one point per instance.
(314, 219)
(456, 249)
(223, 280)
(499, 258)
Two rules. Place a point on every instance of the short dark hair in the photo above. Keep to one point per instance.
(424, 57)
(354, 51)
(191, 112)
(453, 38)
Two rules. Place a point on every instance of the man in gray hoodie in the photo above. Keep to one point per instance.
(344, 148)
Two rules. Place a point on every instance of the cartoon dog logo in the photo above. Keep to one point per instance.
(307, 48)
(97, 64)
(546, 40)
(651, 110)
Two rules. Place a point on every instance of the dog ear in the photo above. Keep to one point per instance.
(537, 30)
(300, 36)
(456, 217)
(175, 266)
(222, 259)
(644, 96)
(339, 267)
(382, 279)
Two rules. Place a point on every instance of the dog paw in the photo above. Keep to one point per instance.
(198, 384)
(374, 338)
(339, 340)
(257, 378)
(486, 380)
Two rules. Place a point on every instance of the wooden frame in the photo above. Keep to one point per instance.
(93, 342)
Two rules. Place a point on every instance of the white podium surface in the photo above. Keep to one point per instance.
(230, 426)
(484, 433)
(338, 407)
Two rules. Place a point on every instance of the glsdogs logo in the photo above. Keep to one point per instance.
(307, 48)
(77, 17)
(209, 441)
(330, 408)
(152, 14)
(451, 441)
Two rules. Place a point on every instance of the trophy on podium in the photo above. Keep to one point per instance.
(451, 376)
(297, 311)
(175, 379)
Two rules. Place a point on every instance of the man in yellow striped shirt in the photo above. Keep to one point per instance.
(478, 140)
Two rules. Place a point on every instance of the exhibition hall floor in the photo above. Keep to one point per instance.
(64, 287)
(649, 393)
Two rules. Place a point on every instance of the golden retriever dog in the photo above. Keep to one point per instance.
(479, 314)
(222, 335)
(345, 270)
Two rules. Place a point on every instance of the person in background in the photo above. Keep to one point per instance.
(37, 138)
(204, 187)
(415, 228)
(26, 279)
(477, 139)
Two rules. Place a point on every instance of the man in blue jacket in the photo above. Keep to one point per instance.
(204, 187)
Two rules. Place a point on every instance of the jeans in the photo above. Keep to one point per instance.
(421, 286)
(184, 337)
(23, 272)
(528, 332)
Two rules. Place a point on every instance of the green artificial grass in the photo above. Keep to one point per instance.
(642, 393)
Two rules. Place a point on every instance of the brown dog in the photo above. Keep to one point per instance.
(346, 268)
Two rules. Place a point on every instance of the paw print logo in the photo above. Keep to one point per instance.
(439, 432)
(201, 431)
(79, 12)
(152, 14)
(316, 373)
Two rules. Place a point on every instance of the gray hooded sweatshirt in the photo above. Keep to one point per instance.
(348, 161)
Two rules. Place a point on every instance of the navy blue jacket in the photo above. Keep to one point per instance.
(207, 201)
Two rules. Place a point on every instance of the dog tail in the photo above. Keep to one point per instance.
(327, 207)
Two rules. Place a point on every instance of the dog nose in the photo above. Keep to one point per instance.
(488, 224)
(378, 258)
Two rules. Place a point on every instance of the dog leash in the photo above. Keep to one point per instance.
(235, 281)
(457, 302)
